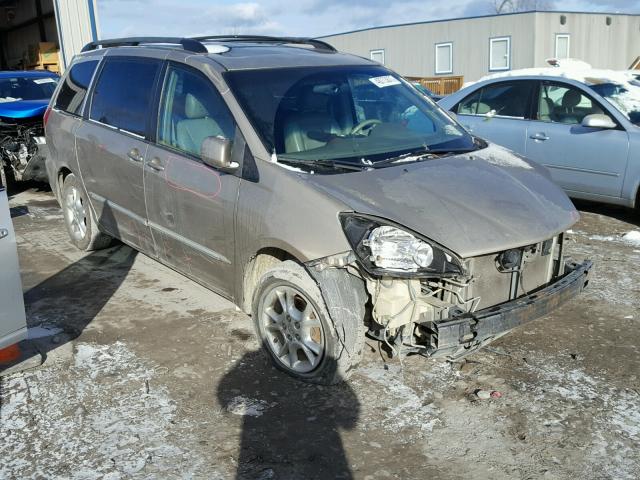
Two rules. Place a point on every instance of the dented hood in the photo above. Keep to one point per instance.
(476, 203)
(23, 108)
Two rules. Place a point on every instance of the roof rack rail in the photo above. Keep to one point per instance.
(318, 44)
(189, 44)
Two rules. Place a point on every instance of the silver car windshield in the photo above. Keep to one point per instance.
(624, 97)
(350, 114)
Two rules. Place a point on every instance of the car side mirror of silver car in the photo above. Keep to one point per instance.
(598, 120)
(216, 152)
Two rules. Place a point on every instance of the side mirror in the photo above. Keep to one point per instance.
(216, 152)
(598, 120)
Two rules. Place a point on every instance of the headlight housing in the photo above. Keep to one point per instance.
(384, 248)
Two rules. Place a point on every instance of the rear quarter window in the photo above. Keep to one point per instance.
(74, 88)
(123, 94)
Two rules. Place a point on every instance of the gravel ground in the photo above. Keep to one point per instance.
(148, 375)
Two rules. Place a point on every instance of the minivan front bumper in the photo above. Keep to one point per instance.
(463, 334)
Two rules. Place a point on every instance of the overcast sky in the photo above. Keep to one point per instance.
(297, 17)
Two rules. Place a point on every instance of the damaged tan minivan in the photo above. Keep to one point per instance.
(318, 191)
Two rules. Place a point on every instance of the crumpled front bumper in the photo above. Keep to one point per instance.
(458, 336)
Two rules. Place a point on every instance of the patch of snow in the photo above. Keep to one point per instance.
(502, 157)
(245, 406)
(616, 417)
(632, 237)
(407, 408)
(98, 411)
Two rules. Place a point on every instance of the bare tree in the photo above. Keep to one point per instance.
(511, 6)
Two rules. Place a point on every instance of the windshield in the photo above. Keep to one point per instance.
(351, 114)
(17, 88)
(625, 97)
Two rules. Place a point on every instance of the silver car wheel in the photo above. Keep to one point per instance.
(76, 214)
(292, 329)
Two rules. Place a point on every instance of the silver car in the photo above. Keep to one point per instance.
(318, 191)
(13, 322)
(582, 125)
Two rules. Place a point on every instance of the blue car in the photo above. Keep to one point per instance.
(24, 97)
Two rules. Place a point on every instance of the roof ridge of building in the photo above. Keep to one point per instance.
(472, 17)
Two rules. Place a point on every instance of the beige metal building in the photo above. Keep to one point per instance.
(476, 46)
(44, 33)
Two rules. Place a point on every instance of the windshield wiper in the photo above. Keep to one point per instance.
(324, 163)
(427, 153)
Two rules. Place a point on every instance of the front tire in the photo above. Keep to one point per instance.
(78, 218)
(296, 330)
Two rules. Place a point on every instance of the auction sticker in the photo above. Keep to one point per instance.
(44, 80)
(384, 81)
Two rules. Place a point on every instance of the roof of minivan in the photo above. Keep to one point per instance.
(242, 56)
(239, 55)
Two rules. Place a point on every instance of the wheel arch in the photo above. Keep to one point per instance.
(256, 266)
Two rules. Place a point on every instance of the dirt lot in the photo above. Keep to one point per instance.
(148, 375)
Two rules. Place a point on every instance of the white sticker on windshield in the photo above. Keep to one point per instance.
(384, 81)
(44, 80)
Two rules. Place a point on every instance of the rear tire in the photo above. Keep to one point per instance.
(78, 217)
(296, 330)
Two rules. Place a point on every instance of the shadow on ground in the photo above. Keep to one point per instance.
(59, 308)
(290, 430)
(65, 303)
(614, 211)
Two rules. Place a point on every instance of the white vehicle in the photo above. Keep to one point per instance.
(13, 323)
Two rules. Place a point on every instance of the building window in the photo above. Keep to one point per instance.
(499, 53)
(377, 56)
(444, 57)
(562, 45)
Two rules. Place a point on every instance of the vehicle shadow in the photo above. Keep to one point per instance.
(290, 429)
(59, 308)
(614, 211)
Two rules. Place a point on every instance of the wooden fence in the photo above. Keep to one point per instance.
(440, 85)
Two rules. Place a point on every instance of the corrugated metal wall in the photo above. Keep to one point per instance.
(410, 49)
(77, 25)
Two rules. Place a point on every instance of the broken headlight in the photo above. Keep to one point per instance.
(384, 248)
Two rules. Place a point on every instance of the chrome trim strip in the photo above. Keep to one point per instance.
(190, 243)
(584, 170)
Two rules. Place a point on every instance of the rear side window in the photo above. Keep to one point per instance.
(75, 86)
(122, 96)
(505, 99)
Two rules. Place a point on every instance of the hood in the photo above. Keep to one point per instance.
(23, 108)
(477, 203)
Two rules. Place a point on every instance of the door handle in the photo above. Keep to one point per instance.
(539, 136)
(3, 233)
(156, 165)
(134, 154)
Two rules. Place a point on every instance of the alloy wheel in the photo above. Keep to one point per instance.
(292, 329)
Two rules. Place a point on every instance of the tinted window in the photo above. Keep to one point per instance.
(561, 103)
(122, 97)
(191, 110)
(75, 87)
(505, 99)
